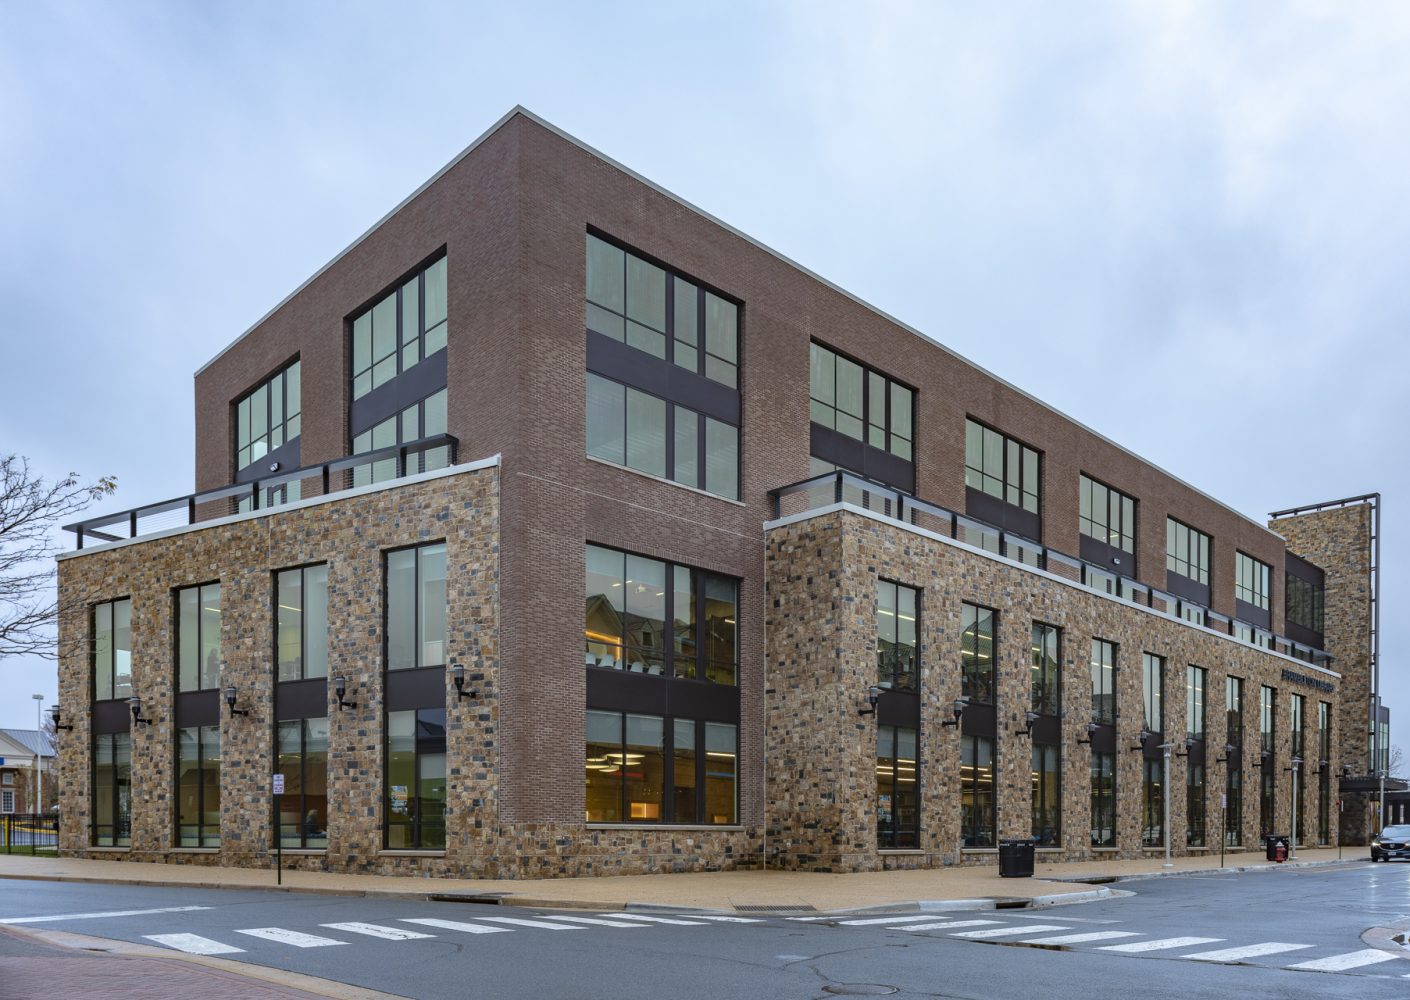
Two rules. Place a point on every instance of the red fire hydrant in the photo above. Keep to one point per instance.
(1280, 853)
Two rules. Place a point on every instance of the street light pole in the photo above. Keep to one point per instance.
(1296, 763)
(1165, 748)
(38, 753)
(1382, 801)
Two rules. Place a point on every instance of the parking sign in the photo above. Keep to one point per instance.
(279, 784)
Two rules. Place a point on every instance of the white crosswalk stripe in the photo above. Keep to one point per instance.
(1007, 931)
(655, 920)
(599, 922)
(99, 916)
(1161, 944)
(913, 918)
(193, 944)
(1081, 938)
(378, 931)
(806, 918)
(454, 925)
(1351, 960)
(723, 920)
(1247, 951)
(544, 925)
(944, 925)
(281, 935)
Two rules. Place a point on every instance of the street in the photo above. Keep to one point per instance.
(1287, 933)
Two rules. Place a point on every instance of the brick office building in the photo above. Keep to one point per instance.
(556, 528)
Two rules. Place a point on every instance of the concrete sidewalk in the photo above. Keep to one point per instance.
(929, 888)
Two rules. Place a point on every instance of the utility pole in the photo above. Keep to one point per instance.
(38, 754)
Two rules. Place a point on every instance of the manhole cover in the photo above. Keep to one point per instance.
(860, 989)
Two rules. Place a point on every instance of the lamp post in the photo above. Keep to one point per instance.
(1165, 819)
(38, 753)
(1296, 765)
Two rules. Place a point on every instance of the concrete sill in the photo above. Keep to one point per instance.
(302, 852)
(662, 827)
(979, 850)
(668, 482)
(1106, 850)
(1047, 850)
(409, 854)
(108, 850)
(890, 852)
(195, 850)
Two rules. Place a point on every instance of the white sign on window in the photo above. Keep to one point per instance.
(279, 784)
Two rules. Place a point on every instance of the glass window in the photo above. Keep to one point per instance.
(1186, 551)
(1106, 514)
(1103, 682)
(301, 622)
(1305, 601)
(630, 599)
(416, 607)
(1046, 670)
(303, 761)
(1234, 806)
(400, 330)
(423, 419)
(416, 780)
(1047, 795)
(1234, 711)
(1266, 696)
(1299, 742)
(1103, 799)
(1001, 467)
(649, 769)
(112, 650)
(977, 791)
(112, 790)
(1153, 796)
(1195, 679)
(897, 799)
(896, 613)
(268, 416)
(861, 402)
(1251, 580)
(1153, 692)
(198, 637)
(977, 654)
(198, 786)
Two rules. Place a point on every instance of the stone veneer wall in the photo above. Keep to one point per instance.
(822, 574)
(350, 534)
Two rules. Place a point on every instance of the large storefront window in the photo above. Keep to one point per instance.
(1234, 809)
(1047, 795)
(1194, 805)
(977, 791)
(654, 769)
(1153, 795)
(112, 790)
(897, 801)
(1103, 799)
(416, 779)
(302, 623)
(303, 761)
(416, 607)
(198, 786)
(896, 625)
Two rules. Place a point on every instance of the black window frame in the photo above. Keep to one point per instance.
(1201, 575)
(1196, 815)
(94, 665)
(1304, 602)
(1153, 823)
(1262, 573)
(897, 836)
(276, 826)
(1157, 724)
(394, 290)
(204, 840)
(120, 827)
(421, 747)
(668, 762)
(1020, 483)
(1103, 798)
(977, 835)
(200, 634)
(1099, 691)
(870, 374)
(387, 667)
(1099, 547)
(301, 569)
(1196, 697)
(1046, 836)
(1045, 678)
(901, 680)
(968, 688)
(276, 452)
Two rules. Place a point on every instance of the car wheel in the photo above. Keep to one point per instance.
(1375, 857)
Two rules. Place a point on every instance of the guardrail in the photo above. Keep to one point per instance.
(272, 491)
(846, 487)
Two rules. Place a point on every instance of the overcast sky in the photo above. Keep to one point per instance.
(1206, 203)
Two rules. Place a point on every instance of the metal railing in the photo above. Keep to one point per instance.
(847, 487)
(273, 490)
(29, 833)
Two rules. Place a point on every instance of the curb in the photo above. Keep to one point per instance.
(1230, 870)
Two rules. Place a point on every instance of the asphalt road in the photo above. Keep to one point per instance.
(1213, 936)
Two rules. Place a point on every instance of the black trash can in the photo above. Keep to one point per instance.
(1271, 841)
(1016, 858)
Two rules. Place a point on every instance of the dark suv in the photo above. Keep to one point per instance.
(1392, 842)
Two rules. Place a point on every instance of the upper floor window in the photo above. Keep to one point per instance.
(1251, 582)
(301, 622)
(1324, 732)
(1103, 682)
(1106, 514)
(1295, 725)
(268, 417)
(403, 328)
(1266, 696)
(1195, 680)
(198, 637)
(1305, 602)
(1234, 711)
(416, 607)
(1046, 670)
(1186, 551)
(1153, 692)
(647, 616)
(896, 615)
(1001, 467)
(977, 654)
(112, 650)
(647, 307)
(425, 418)
(861, 403)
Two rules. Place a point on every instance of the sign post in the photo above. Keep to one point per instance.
(1223, 825)
(278, 790)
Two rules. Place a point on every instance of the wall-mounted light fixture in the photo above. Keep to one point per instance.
(1029, 718)
(1229, 749)
(1322, 765)
(1189, 745)
(340, 688)
(457, 674)
(1346, 770)
(230, 695)
(1263, 757)
(54, 714)
(135, 703)
(873, 696)
(1092, 727)
(1142, 737)
(957, 709)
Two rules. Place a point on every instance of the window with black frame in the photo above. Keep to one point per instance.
(897, 788)
(1046, 686)
(1267, 787)
(198, 648)
(1153, 692)
(1252, 581)
(1047, 794)
(1003, 480)
(112, 650)
(112, 790)
(1195, 681)
(897, 612)
(1103, 774)
(656, 769)
(1106, 515)
(268, 421)
(1324, 772)
(977, 802)
(1194, 804)
(416, 607)
(303, 761)
(977, 654)
(301, 707)
(1103, 674)
(416, 780)
(198, 786)
(861, 419)
(1153, 795)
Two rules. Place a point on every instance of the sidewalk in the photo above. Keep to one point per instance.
(929, 888)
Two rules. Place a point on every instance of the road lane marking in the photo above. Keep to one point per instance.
(281, 935)
(1081, 938)
(378, 931)
(655, 920)
(1351, 960)
(1005, 931)
(193, 944)
(545, 925)
(1163, 944)
(946, 925)
(913, 918)
(599, 922)
(96, 916)
(1247, 951)
(454, 925)
(723, 920)
(807, 918)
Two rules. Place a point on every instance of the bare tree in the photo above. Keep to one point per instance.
(30, 508)
(1395, 767)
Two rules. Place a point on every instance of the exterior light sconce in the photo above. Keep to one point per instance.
(1346, 770)
(230, 695)
(1092, 727)
(1189, 745)
(54, 714)
(340, 688)
(1263, 757)
(957, 709)
(1229, 749)
(1296, 765)
(457, 674)
(873, 696)
(1322, 765)
(135, 704)
(1142, 737)
(1029, 718)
